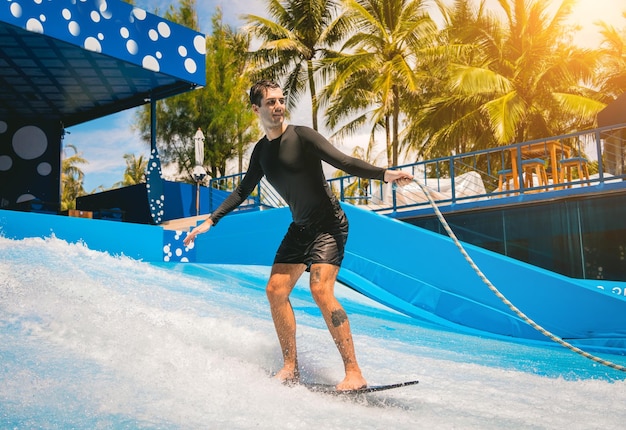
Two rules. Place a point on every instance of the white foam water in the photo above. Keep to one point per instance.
(94, 341)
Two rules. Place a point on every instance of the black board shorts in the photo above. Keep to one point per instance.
(323, 241)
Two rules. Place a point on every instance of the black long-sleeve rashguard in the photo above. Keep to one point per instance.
(292, 164)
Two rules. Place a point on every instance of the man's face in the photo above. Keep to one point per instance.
(272, 110)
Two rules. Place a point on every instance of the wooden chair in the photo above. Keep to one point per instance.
(554, 176)
(579, 163)
(536, 165)
(504, 176)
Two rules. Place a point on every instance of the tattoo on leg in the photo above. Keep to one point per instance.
(338, 317)
(316, 275)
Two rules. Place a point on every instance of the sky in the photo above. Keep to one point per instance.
(103, 142)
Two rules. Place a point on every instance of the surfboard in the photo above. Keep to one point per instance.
(331, 389)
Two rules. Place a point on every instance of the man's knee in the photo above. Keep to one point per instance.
(277, 291)
(282, 280)
(319, 293)
(323, 294)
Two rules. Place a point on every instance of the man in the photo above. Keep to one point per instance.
(290, 158)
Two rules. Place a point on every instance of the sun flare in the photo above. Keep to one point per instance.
(587, 13)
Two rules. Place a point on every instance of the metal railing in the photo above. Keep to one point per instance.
(478, 175)
(264, 196)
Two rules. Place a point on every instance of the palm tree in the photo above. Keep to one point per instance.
(547, 95)
(246, 128)
(378, 66)
(225, 114)
(613, 67)
(302, 33)
(220, 108)
(513, 81)
(135, 171)
(71, 179)
(444, 120)
(359, 187)
(612, 80)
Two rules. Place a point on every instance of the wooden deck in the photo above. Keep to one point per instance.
(183, 224)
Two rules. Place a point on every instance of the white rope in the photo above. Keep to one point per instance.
(511, 306)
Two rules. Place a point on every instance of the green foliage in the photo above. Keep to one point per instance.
(509, 81)
(135, 171)
(302, 33)
(220, 108)
(359, 189)
(612, 71)
(476, 82)
(71, 179)
(379, 66)
(228, 121)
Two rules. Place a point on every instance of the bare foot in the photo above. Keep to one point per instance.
(288, 376)
(353, 381)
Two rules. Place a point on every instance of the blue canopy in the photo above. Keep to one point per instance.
(74, 61)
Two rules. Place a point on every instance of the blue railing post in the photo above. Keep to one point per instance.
(341, 196)
(599, 152)
(452, 183)
(211, 196)
(520, 168)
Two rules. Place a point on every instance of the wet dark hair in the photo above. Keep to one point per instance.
(259, 90)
